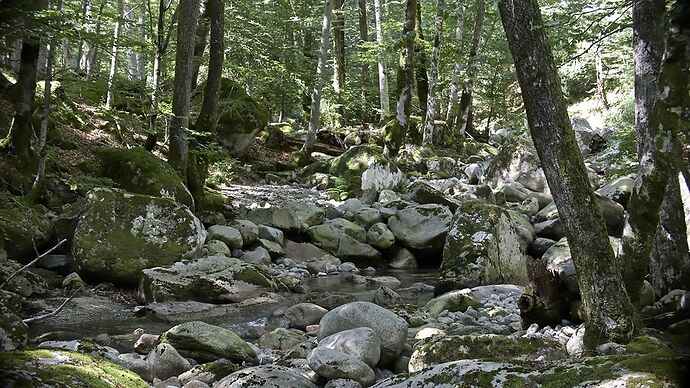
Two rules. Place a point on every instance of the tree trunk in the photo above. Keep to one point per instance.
(19, 137)
(188, 11)
(465, 108)
(113, 54)
(78, 59)
(608, 311)
(16, 60)
(363, 38)
(383, 78)
(601, 78)
(457, 69)
(657, 148)
(421, 63)
(318, 81)
(428, 139)
(202, 30)
(208, 116)
(339, 56)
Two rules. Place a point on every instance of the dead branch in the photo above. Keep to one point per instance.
(53, 313)
(24, 268)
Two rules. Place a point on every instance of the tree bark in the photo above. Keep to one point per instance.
(657, 157)
(457, 69)
(16, 60)
(363, 38)
(202, 31)
(339, 56)
(428, 138)
(465, 108)
(318, 81)
(208, 116)
(404, 104)
(383, 78)
(113, 52)
(421, 63)
(608, 311)
(601, 78)
(188, 11)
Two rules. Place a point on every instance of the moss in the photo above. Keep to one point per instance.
(350, 166)
(394, 134)
(24, 227)
(64, 369)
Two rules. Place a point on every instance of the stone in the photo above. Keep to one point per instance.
(365, 169)
(302, 315)
(210, 372)
(366, 217)
(204, 342)
(164, 362)
(336, 236)
(215, 279)
(217, 247)
(23, 229)
(229, 235)
(391, 329)
(271, 234)
(136, 364)
(386, 297)
(258, 255)
(292, 216)
(647, 294)
(517, 161)
(613, 214)
(486, 245)
(120, 234)
(281, 339)
(302, 252)
(342, 383)
(26, 283)
(423, 193)
(248, 230)
(618, 190)
(13, 331)
(422, 226)
(146, 343)
(459, 300)
(274, 249)
(362, 343)
(332, 364)
(265, 376)
(576, 343)
(403, 259)
(539, 246)
(380, 237)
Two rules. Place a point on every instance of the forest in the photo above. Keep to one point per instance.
(343, 194)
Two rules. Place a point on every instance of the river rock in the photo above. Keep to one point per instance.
(301, 252)
(302, 315)
(274, 249)
(215, 279)
(164, 361)
(517, 161)
(344, 239)
(26, 283)
(265, 376)
(613, 214)
(271, 234)
(258, 255)
(332, 364)
(136, 364)
(248, 230)
(367, 217)
(380, 237)
(23, 228)
(281, 339)
(422, 192)
(13, 331)
(120, 234)
(421, 226)
(204, 342)
(619, 190)
(229, 235)
(459, 300)
(293, 216)
(403, 259)
(217, 247)
(391, 329)
(210, 372)
(342, 383)
(362, 343)
(486, 245)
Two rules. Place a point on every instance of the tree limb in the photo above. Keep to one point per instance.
(24, 268)
(53, 313)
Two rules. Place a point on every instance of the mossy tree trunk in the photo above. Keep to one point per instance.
(208, 115)
(202, 31)
(657, 158)
(363, 39)
(428, 138)
(339, 58)
(382, 75)
(609, 314)
(421, 63)
(457, 68)
(160, 47)
(464, 118)
(188, 11)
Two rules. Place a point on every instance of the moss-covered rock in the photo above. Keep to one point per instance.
(240, 116)
(13, 331)
(25, 283)
(364, 168)
(204, 342)
(121, 234)
(210, 372)
(24, 228)
(517, 161)
(58, 368)
(486, 245)
(141, 172)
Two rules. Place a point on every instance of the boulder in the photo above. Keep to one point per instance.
(380, 237)
(332, 364)
(120, 234)
(271, 234)
(367, 217)
(302, 315)
(273, 248)
(301, 252)
(23, 228)
(281, 339)
(214, 279)
(363, 168)
(204, 342)
(217, 248)
(422, 226)
(613, 214)
(210, 372)
(293, 216)
(336, 236)
(391, 329)
(248, 230)
(486, 245)
(265, 376)
(139, 171)
(227, 234)
(26, 283)
(453, 301)
(13, 331)
(165, 362)
(618, 190)
(403, 259)
(517, 161)
(424, 193)
(362, 343)
(258, 255)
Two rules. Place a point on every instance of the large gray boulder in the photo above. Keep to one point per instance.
(486, 245)
(517, 161)
(332, 364)
(302, 315)
(265, 376)
(13, 331)
(362, 343)
(391, 329)
(613, 214)
(204, 342)
(422, 226)
(214, 279)
(343, 239)
(120, 234)
(380, 237)
(164, 362)
(229, 235)
(293, 216)
(23, 229)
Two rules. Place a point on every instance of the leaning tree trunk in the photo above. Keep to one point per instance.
(318, 82)
(113, 52)
(188, 11)
(657, 152)
(608, 312)
(428, 139)
(208, 115)
(465, 108)
(383, 78)
(339, 56)
(202, 30)
(457, 69)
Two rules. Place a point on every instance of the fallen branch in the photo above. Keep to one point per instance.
(54, 312)
(24, 268)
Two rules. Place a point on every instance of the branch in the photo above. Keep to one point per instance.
(24, 268)
(54, 312)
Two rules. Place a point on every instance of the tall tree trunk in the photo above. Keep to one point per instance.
(428, 139)
(202, 30)
(188, 11)
(421, 63)
(465, 108)
(608, 311)
(19, 137)
(113, 52)
(363, 39)
(383, 77)
(657, 149)
(339, 56)
(208, 116)
(132, 63)
(16, 60)
(457, 69)
(318, 81)
(601, 78)
(78, 59)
